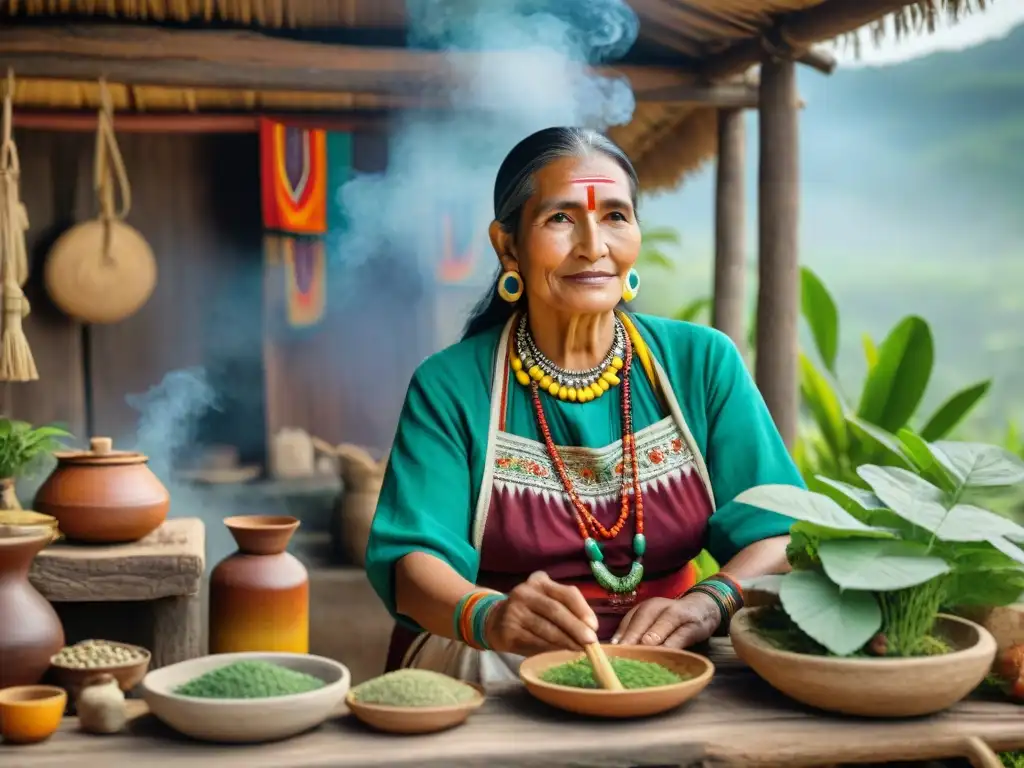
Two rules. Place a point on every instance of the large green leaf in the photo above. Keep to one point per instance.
(817, 533)
(841, 620)
(1008, 548)
(928, 460)
(919, 502)
(823, 403)
(897, 382)
(847, 495)
(803, 505)
(879, 566)
(953, 411)
(870, 351)
(819, 310)
(877, 446)
(981, 465)
(989, 588)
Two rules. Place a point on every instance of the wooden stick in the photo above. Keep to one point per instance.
(980, 754)
(603, 672)
(209, 122)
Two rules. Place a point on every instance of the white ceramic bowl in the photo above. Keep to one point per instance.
(245, 720)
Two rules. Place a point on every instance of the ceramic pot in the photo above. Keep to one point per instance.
(259, 596)
(878, 687)
(30, 630)
(361, 476)
(103, 496)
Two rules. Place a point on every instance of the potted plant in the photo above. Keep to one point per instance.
(21, 446)
(858, 627)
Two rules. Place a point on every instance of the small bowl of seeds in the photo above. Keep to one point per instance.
(414, 701)
(74, 664)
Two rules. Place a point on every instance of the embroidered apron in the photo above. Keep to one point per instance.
(523, 523)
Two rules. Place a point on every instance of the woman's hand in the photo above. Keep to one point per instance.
(672, 623)
(541, 615)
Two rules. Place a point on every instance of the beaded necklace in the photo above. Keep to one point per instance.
(531, 366)
(589, 526)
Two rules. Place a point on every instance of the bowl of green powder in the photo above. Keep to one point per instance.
(246, 697)
(655, 680)
(414, 701)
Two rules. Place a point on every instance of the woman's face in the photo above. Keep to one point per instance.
(578, 237)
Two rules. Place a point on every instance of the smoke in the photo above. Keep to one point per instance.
(444, 162)
(169, 415)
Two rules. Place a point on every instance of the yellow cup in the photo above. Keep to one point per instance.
(31, 713)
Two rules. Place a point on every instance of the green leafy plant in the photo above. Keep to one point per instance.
(21, 445)
(842, 436)
(873, 566)
(652, 248)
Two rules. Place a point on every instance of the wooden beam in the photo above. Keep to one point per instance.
(729, 313)
(800, 30)
(191, 122)
(140, 55)
(819, 59)
(723, 95)
(778, 295)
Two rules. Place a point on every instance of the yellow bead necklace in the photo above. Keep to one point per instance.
(529, 364)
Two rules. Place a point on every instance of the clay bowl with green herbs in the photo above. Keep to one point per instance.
(412, 701)
(246, 697)
(74, 664)
(655, 680)
(866, 685)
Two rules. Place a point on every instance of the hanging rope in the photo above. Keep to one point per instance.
(109, 174)
(16, 362)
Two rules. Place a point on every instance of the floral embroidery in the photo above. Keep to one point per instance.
(594, 472)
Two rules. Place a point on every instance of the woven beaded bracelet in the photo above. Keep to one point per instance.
(726, 594)
(470, 617)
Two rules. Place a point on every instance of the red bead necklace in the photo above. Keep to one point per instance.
(589, 526)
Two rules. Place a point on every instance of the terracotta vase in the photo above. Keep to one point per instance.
(30, 630)
(259, 596)
(103, 496)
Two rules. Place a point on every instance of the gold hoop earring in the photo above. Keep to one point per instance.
(510, 286)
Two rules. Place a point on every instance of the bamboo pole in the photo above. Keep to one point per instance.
(730, 284)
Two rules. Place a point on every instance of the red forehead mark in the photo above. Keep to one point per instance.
(594, 180)
(591, 198)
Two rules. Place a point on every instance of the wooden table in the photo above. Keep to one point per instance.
(737, 720)
(159, 576)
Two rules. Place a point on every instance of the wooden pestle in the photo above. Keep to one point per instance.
(603, 672)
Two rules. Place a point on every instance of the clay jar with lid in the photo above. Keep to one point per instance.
(103, 496)
(259, 596)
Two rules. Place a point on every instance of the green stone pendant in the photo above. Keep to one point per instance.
(608, 580)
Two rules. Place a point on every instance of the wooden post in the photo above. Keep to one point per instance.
(778, 295)
(730, 291)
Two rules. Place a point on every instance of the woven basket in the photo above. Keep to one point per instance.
(97, 287)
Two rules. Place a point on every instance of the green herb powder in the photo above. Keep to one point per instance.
(631, 673)
(413, 688)
(249, 680)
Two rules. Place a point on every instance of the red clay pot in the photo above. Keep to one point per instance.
(259, 596)
(103, 496)
(30, 630)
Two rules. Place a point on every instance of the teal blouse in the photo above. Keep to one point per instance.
(437, 459)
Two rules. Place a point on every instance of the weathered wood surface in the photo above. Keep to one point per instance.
(145, 55)
(738, 720)
(167, 563)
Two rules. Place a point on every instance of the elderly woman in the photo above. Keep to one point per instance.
(555, 472)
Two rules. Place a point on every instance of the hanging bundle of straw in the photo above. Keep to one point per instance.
(16, 363)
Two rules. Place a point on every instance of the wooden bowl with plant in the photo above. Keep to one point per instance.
(859, 627)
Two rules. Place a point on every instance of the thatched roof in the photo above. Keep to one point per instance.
(665, 140)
